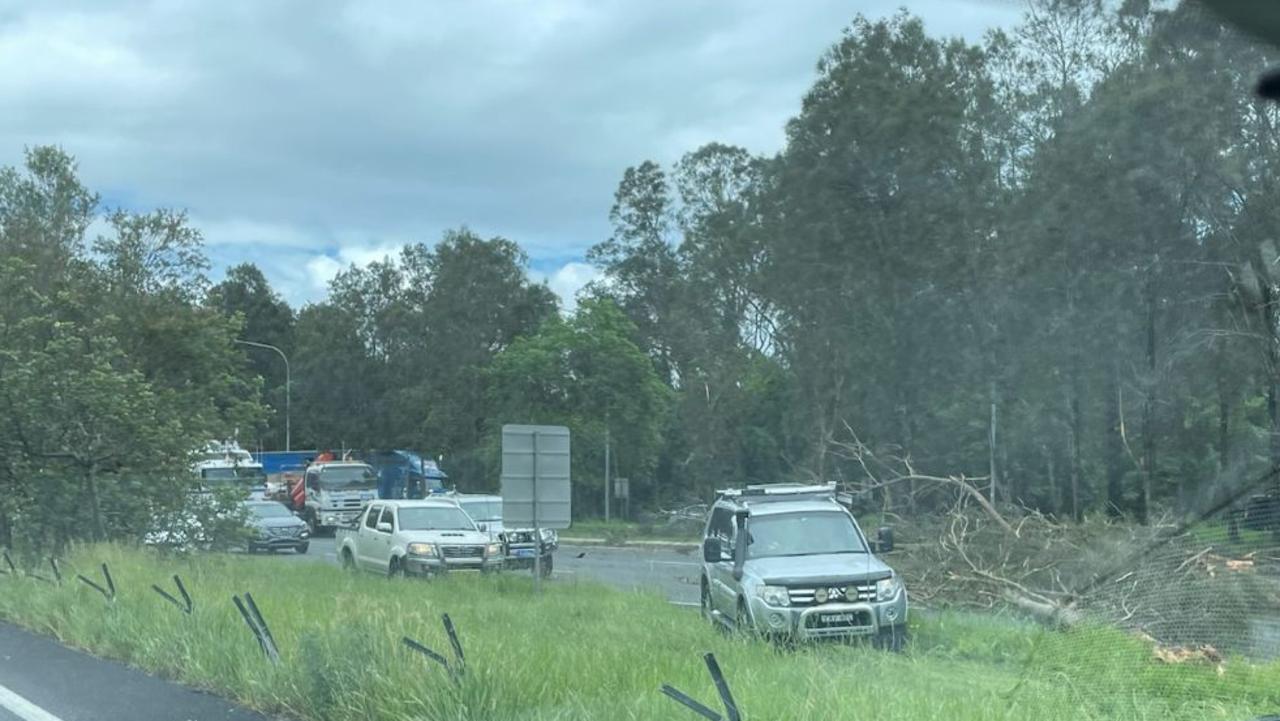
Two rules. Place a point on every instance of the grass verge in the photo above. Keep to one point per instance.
(581, 651)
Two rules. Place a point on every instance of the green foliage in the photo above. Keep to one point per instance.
(111, 374)
(588, 374)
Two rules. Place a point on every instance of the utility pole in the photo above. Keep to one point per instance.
(287, 384)
(607, 490)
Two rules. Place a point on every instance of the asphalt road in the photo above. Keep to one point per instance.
(671, 573)
(41, 680)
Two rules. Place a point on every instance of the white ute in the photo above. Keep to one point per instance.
(420, 538)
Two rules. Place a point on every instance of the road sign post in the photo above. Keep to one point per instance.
(622, 491)
(536, 486)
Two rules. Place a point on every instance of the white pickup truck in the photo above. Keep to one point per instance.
(421, 538)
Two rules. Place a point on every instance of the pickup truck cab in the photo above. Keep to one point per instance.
(421, 538)
(786, 560)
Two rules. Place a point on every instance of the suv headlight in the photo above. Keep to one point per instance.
(421, 549)
(774, 595)
(493, 549)
(887, 588)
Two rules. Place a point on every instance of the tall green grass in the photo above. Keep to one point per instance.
(581, 651)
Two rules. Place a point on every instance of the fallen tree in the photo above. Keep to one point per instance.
(1157, 579)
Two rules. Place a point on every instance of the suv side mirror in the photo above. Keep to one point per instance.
(711, 550)
(884, 539)
(384, 527)
(484, 527)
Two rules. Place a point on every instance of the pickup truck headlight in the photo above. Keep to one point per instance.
(421, 549)
(493, 549)
(774, 595)
(887, 588)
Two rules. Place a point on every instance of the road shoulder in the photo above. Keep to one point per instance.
(74, 686)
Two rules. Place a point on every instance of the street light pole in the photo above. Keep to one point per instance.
(287, 386)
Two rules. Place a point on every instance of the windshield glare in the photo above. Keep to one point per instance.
(802, 534)
(350, 478)
(434, 519)
(483, 510)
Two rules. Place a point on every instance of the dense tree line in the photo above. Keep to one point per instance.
(1046, 261)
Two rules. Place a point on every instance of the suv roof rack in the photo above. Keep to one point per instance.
(778, 492)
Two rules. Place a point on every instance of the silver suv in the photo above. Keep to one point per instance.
(787, 560)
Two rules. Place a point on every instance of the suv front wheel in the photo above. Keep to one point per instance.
(705, 599)
(891, 638)
(742, 622)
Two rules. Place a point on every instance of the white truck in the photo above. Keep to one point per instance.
(418, 538)
(227, 465)
(336, 493)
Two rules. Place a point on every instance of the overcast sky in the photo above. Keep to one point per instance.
(304, 136)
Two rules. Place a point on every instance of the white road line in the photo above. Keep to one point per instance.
(23, 708)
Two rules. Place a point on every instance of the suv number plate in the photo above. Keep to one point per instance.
(524, 553)
(837, 617)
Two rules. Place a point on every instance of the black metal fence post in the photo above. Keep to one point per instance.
(109, 592)
(185, 605)
(722, 687)
(456, 670)
(253, 618)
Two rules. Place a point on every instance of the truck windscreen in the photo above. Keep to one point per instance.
(802, 534)
(348, 478)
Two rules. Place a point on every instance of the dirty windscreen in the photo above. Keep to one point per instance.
(434, 519)
(348, 478)
(483, 511)
(801, 534)
(1001, 277)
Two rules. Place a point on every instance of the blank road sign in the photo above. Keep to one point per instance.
(535, 476)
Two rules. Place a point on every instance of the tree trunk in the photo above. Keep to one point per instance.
(1148, 407)
(1272, 366)
(95, 505)
(1115, 460)
(1055, 493)
(991, 446)
(1224, 424)
(1073, 440)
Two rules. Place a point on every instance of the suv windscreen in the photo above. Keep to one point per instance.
(434, 519)
(348, 478)
(483, 510)
(802, 534)
(269, 510)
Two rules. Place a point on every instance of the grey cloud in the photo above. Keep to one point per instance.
(316, 126)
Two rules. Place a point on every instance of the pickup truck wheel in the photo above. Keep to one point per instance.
(348, 561)
(302, 547)
(546, 566)
(704, 600)
(395, 569)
